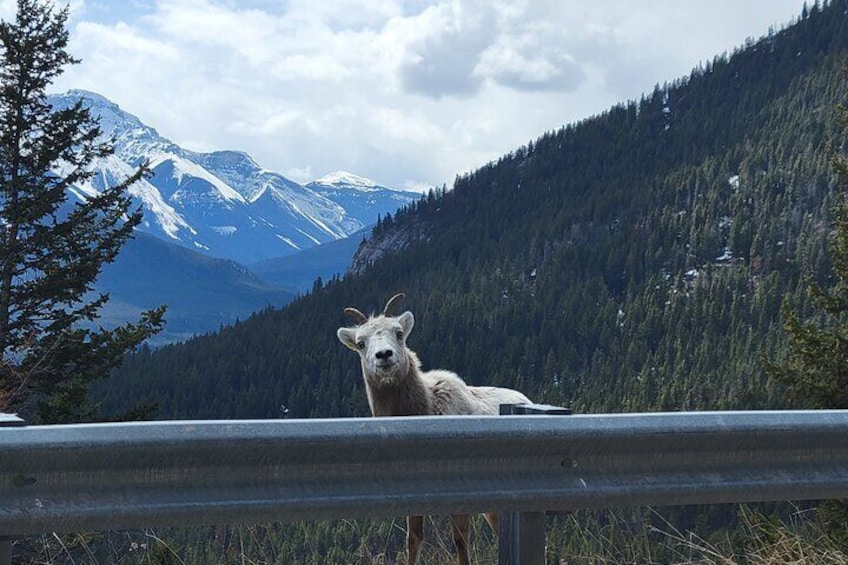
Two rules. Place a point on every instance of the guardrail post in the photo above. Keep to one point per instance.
(521, 535)
(6, 541)
(521, 540)
(5, 550)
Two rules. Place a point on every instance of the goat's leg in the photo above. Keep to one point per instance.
(414, 537)
(460, 526)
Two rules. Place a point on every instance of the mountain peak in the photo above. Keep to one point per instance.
(346, 180)
(100, 105)
(133, 137)
(77, 93)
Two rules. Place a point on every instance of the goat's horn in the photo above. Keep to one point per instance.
(356, 315)
(396, 298)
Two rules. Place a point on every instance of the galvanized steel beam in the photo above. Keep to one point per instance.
(133, 475)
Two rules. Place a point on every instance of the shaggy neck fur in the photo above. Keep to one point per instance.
(404, 394)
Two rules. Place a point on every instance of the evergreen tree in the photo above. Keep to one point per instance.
(51, 251)
(816, 370)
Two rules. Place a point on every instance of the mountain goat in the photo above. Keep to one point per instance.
(396, 386)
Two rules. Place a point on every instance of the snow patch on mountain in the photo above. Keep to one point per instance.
(111, 171)
(224, 230)
(182, 168)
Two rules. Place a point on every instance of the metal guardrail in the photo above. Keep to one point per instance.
(138, 475)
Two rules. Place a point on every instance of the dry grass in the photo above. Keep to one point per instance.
(611, 538)
(768, 541)
(759, 541)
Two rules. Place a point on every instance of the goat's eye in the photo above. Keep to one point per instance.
(360, 344)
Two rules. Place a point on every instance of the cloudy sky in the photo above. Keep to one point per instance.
(409, 93)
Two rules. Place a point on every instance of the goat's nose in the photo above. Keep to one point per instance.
(384, 354)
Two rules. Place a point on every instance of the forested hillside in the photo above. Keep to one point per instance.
(634, 261)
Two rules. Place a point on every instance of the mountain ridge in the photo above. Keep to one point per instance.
(202, 293)
(223, 203)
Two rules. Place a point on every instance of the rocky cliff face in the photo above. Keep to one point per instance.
(387, 242)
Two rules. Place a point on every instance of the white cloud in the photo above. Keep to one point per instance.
(441, 62)
(346, 14)
(269, 123)
(534, 68)
(7, 9)
(245, 34)
(405, 127)
(405, 92)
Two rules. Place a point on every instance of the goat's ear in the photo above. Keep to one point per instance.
(348, 338)
(407, 320)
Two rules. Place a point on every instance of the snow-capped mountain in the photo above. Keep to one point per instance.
(342, 181)
(362, 198)
(223, 203)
